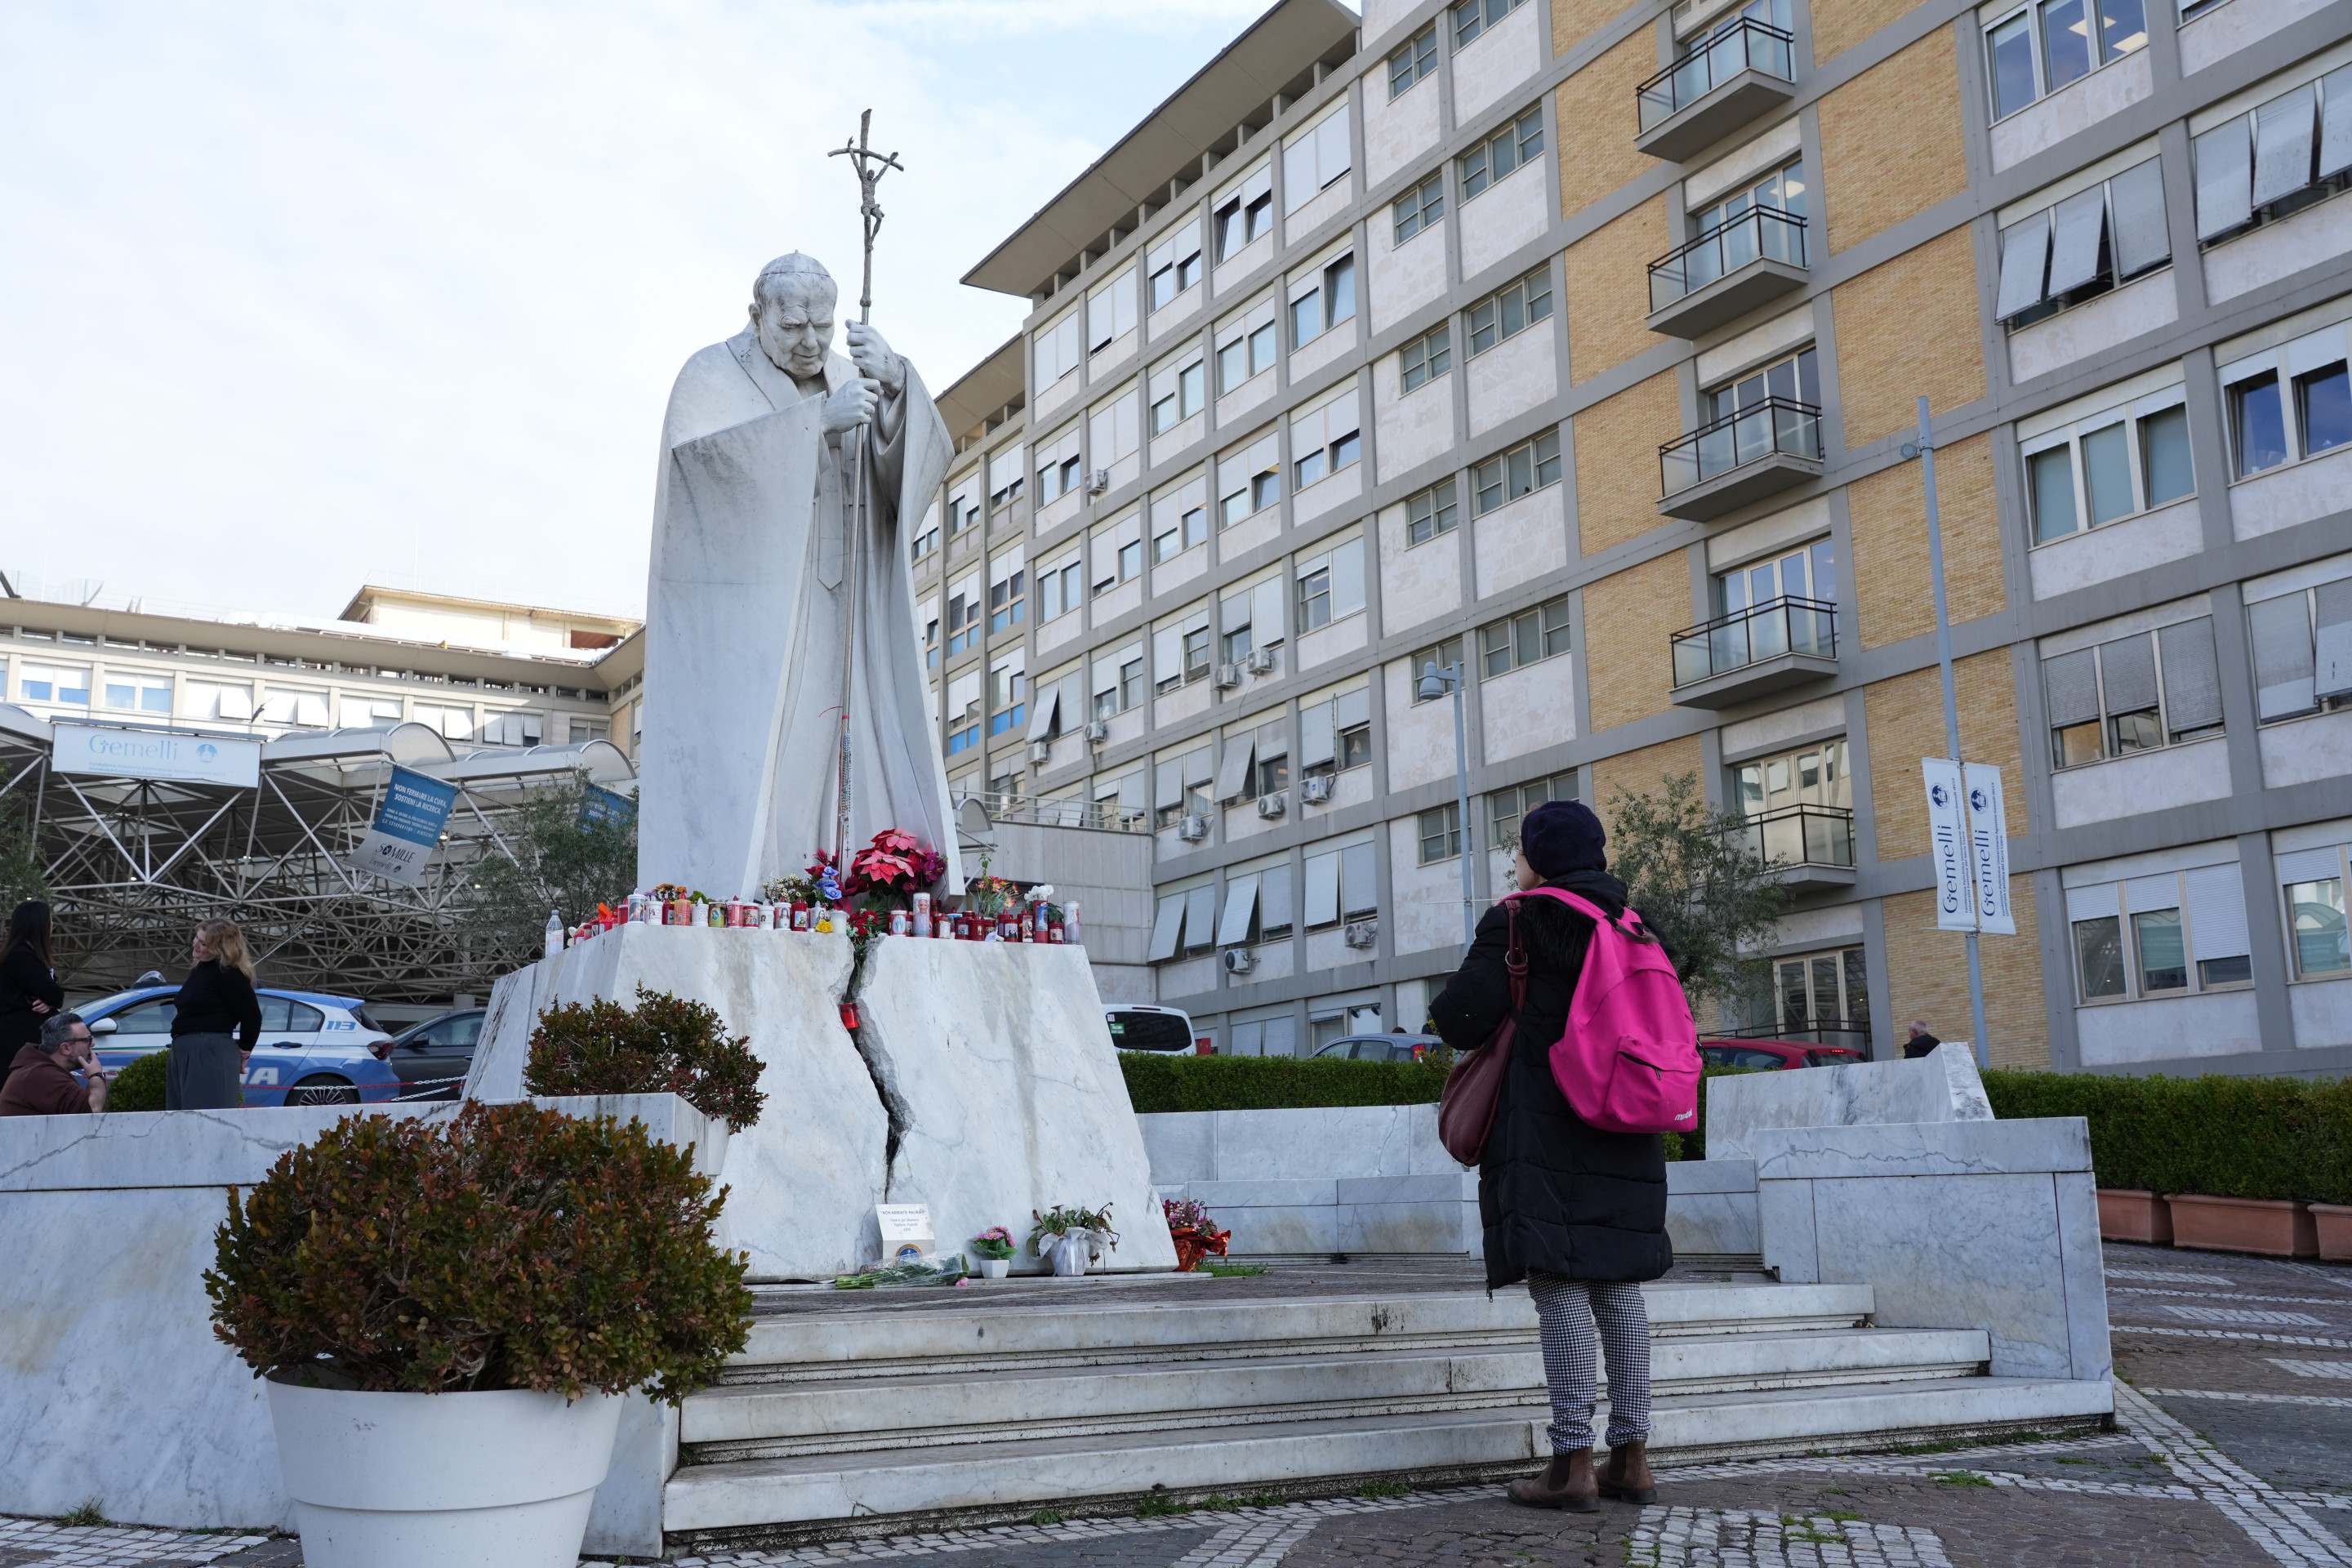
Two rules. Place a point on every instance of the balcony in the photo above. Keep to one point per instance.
(1758, 451)
(1806, 848)
(1750, 652)
(1733, 79)
(1741, 265)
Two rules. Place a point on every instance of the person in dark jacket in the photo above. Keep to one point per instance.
(29, 994)
(215, 1024)
(1921, 1042)
(41, 1079)
(1577, 1213)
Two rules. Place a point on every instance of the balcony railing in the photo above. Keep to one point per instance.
(1799, 836)
(1760, 234)
(1749, 46)
(1103, 816)
(1750, 637)
(1778, 426)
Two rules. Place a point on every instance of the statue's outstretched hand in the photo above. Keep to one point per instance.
(851, 406)
(873, 359)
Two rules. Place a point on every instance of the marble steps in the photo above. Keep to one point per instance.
(902, 1488)
(927, 1343)
(751, 1421)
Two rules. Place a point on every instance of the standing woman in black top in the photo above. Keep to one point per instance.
(29, 993)
(216, 1024)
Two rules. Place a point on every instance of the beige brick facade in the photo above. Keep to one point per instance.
(1617, 442)
(1839, 25)
(1892, 139)
(1906, 327)
(1596, 122)
(1906, 722)
(1927, 977)
(1627, 618)
(1608, 278)
(1639, 773)
(1573, 21)
(1889, 514)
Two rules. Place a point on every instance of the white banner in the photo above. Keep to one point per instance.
(1988, 847)
(106, 753)
(1948, 845)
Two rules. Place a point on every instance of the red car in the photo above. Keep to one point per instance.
(1775, 1055)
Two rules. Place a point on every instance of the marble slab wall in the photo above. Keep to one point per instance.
(1943, 1085)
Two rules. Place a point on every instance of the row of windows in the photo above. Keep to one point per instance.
(69, 686)
(1499, 155)
(1415, 60)
(2181, 933)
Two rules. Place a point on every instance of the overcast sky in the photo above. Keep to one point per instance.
(298, 296)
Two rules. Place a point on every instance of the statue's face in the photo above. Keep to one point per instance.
(796, 327)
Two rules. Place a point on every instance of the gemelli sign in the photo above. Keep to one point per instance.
(92, 750)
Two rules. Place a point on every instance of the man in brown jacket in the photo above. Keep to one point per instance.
(40, 1078)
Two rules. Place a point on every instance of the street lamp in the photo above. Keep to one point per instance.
(1434, 684)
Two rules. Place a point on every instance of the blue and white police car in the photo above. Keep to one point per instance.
(315, 1050)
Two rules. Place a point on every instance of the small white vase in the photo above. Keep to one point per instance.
(394, 1480)
(994, 1268)
(1071, 1254)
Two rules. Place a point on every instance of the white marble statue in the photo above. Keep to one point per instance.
(750, 579)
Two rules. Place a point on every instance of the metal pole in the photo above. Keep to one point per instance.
(1462, 805)
(1951, 705)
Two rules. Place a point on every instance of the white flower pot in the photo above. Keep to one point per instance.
(396, 1480)
(994, 1268)
(1071, 1253)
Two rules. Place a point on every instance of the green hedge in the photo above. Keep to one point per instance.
(2228, 1137)
(140, 1085)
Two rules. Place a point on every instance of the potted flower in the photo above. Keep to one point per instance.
(1072, 1240)
(663, 1045)
(1195, 1235)
(446, 1311)
(992, 1248)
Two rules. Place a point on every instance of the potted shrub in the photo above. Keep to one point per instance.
(1072, 1240)
(140, 1085)
(663, 1045)
(1195, 1235)
(992, 1249)
(445, 1310)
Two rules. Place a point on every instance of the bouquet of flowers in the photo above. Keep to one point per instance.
(1196, 1236)
(995, 1243)
(895, 867)
(990, 897)
(791, 891)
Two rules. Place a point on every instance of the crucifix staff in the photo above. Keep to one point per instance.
(870, 166)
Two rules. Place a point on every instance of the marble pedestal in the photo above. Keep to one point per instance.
(1942, 1086)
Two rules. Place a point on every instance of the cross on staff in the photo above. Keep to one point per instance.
(870, 165)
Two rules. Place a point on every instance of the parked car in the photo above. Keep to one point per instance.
(1139, 1026)
(315, 1050)
(431, 1059)
(1775, 1055)
(1397, 1048)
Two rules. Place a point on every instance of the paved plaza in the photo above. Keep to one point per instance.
(2234, 1447)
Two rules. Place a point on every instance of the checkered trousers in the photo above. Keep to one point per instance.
(1568, 1310)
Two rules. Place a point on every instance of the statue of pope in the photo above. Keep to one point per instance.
(750, 582)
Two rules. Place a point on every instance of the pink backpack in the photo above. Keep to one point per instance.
(1629, 1061)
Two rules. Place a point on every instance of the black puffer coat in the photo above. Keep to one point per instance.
(1554, 1194)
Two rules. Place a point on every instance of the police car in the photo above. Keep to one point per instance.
(314, 1049)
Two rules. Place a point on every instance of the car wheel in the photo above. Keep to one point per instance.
(322, 1091)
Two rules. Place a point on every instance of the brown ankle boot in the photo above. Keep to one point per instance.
(1627, 1475)
(1566, 1483)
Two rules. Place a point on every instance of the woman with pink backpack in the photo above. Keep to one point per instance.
(1577, 1212)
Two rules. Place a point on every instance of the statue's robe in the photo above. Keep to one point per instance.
(750, 578)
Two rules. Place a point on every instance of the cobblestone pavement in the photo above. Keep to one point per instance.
(2234, 1448)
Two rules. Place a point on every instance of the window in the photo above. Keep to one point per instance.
(2099, 957)
(1324, 440)
(1425, 358)
(1796, 379)
(1335, 734)
(1327, 301)
(212, 699)
(963, 511)
(1504, 808)
(1110, 312)
(2290, 403)
(1429, 513)
(1528, 637)
(1057, 478)
(1249, 355)
(1419, 207)
(1196, 654)
(2133, 694)
(139, 693)
(1118, 553)
(1007, 601)
(1004, 496)
(60, 683)
(1180, 789)
(1414, 62)
(1473, 17)
(2315, 925)
(1256, 484)
(1506, 476)
(2042, 47)
(2275, 158)
(2166, 934)
(2303, 651)
(1510, 312)
(2110, 465)
(2163, 960)
(1316, 160)
(926, 542)
(1180, 395)
(1008, 697)
(1441, 833)
(282, 705)
(1174, 264)
(1330, 585)
(1245, 213)
(1444, 656)
(1059, 589)
(2083, 247)
(1521, 142)
(963, 712)
(1342, 883)
(1823, 997)
(365, 712)
(963, 619)
(1057, 350)
(1180, 534)
(513, 729)
(1131, 683)
(931, 639)
(450, 723)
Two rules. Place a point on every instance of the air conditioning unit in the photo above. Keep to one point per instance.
(1362, 934)
(1193, 829)
(1273, 805)
(1099, 482)
(1261, 661)
(1040, 751)
(1240, 960)
(1229, 676)
(1316, 790)
(1097, 732)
